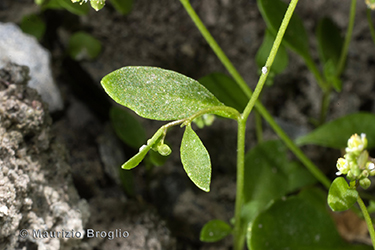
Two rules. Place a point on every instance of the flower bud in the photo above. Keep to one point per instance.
(164, 150)
(97, 4)
(356, 144)
(343, 166)
(365, 183)
(370, 4)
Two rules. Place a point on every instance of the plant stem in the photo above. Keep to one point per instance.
(368, 12)
(262, 110)
(324, 107)
(239, 236)
(216, 48)
(348, 37)
(367, 219)
(258, 126)
(313, 69)
(271, 57)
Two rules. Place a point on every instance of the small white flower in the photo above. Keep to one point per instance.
(343, 166)
(356, 144)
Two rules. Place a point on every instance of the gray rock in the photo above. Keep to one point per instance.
(24, 49)
(37, 194)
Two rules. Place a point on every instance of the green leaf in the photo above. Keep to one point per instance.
(270, 175)
(335, 134)
(75, 8)
(39, 2)
(226, 90)
(195, 159)
(295, 36)
(33, 25)
(127, 128)
(330, 44)
(136, 159)
(97, 4)
(281, 59)
(158, 94)
(122, 6)
(215, 230)
(83, 46)
(297, 223)
(330, 41)
(340, 196)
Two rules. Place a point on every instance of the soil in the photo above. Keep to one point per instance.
(80, 153)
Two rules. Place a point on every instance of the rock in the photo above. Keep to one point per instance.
(36, 189)
(24, 49)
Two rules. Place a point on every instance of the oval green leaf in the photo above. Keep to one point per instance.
(33, 25)
(330, 41)
(122, 6)
(136, 159)
(226, 90)
(158, 94)
(296, 223)
(335, 134)
(215, 230)
(195, 159)
(75, 8)
(281, 59)
(340, 196)
(127, 128)
(295, 36)
(83, 46)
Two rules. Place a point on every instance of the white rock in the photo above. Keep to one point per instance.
(23, 49)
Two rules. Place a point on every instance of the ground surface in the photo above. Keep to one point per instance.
(160, 33)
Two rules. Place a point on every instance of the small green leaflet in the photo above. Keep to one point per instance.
(340, 196)
(136, 159)
(158, 94)
(195, 159)
(215, 230)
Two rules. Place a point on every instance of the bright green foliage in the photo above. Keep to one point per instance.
(83, 46)
(122, 6)
(215, 230)
(297, 223)
(330, 43)
(281, 59)
(195, 159)
(336, 133)
(75, 8)
(97, 4)
(33, 25)
(341, 197)
(39, 2)
(226, 90)
(127, 128)
(136, 159)
(158, 94)
(295, 36)
(270, 175)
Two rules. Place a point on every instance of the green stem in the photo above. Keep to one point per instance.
(239, 235)
(216, 48)
(258, 126)
(367, 219)
(262, 110)
(371, 26)
(271, 57)
(324, 107)
(348, 37)
(312, 67)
